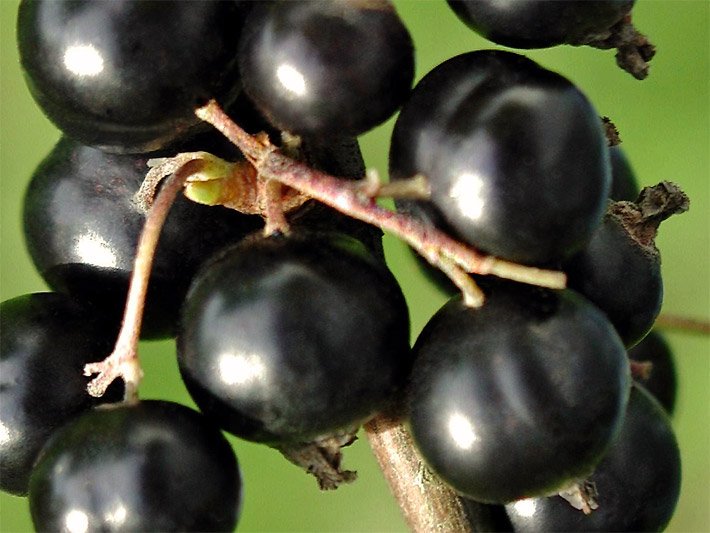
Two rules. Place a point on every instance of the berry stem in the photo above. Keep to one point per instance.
(426, 502)
(640, 370)
(444, 252)
(123, 361)
(683, 323)
(269, 194)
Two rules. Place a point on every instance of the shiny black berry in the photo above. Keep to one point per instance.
(621, 278)
(46, 340)
(636, 486)
(519, 397)
(541, 23)
(326, 68)
(289, 338)
(127, 76)
(515, 155)
(624, 184)
(149, 466)
(662, 380)
(82, 229)
(619, 270)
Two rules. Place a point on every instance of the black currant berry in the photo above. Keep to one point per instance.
(82, 229)
(286, 339)
(127, 76)
(519, 397)
(624, 185)
(46, 340)
(621, 278)
(541, 23)
(326, 68)
(635, 486)
(149, 466)
(485, 517)
(619, 270)
(515, 155)
(661, 381)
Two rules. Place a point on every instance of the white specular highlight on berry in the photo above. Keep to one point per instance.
(76, 521)
(118, 516)
(4, 433)
(461, 431)
(238, 369)
(525, 507)
(467, 194)
(83, 60)
(93, 250)
(291, 79)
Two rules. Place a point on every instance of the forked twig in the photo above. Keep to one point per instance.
(454, 258)
(123, 361)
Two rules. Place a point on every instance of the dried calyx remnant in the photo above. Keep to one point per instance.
(654, 205)
(633, 49)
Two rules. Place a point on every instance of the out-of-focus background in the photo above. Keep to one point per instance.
(664, 123)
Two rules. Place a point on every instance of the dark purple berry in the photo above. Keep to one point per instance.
(148, 466)
(46, 340)
(624, 185)
(326, 68)
(519, 397)
(287, 339)
(661, 381)
(541, 23)
(126, 76)
(82, 229)
(620, 270)
(635, 487)
(515, 155)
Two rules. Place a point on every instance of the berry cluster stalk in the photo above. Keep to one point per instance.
(425, 501)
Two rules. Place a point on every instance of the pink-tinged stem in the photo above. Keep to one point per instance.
(123, 361)
(451, 256)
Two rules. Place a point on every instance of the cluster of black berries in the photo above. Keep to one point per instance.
(297, 337)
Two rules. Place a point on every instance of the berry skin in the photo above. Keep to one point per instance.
(515, 155)
(149, 466)
(620, 268)
(287, 339)
(662, 382)
(621, 277)
(46, 340)
(519, 397)
(326, 68)
(637, 483)
(624, 185)
(126, 76)
(82, 230)
(540, 23)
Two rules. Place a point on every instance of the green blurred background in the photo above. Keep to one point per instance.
(665, 126)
